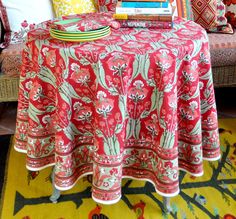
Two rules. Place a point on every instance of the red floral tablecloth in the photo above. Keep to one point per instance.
(139, 103)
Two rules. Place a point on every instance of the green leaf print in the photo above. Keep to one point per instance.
(168, 88)
(116, 145)
(162, 123)
(122, 105)
(111, 146)
(118, 128)
(86, 99)
(197, 129)
(137, 128)
(197, 47)
(71, 131)
(144, 114)
(129, 129)
(112, 48)
(68, 89)
(128, 37)
(141, 65)
(99, 133)
(100, 74)
(167, 139)
(34, 113)
(154, 99)
(159, 101)
(47, 76)
(84, 61)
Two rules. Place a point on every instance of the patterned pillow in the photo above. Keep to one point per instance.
(231, 11)
(67, 7)
(210, 14)
(183, 7)
(18, 18)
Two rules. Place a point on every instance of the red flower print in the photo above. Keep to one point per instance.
(190, 155)
(51, 58)
(114, 171)
(229, 2)
(231, 17)
(36, 91)
(31, 26)
(138, 93)
(104, 106)
(143, 156)
(24, 24)
(168, 164)
(151, 127)
(83, 114)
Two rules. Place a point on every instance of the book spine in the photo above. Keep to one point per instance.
(145, 4)
(146, 24)
(129, 11)
(146, 17)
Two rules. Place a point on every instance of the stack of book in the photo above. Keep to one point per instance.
(144, 13)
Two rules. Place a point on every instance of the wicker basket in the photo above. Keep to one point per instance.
(224, 76)
(8, 88)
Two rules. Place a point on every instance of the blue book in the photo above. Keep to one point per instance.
(145, 4)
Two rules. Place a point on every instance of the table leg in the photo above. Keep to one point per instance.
(166, 203)
(56, 193)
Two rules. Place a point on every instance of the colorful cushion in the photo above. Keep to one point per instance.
(205, 12)
(11, 59)
(19, 17)
(231, 12)
(210, 15)
(183, 7)
(67, 7)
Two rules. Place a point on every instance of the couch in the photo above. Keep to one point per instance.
(222, 50)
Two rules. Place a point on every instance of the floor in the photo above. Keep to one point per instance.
(225, 100)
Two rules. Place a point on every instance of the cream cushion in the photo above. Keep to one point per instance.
(23, 15)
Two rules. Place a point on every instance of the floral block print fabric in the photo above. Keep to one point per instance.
(67, 7)
(85, 22)
(231, 11)
(138, 103)
(18, 19)
(183, 7)
(210, 14)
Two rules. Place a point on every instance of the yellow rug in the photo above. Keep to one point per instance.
(211, 196)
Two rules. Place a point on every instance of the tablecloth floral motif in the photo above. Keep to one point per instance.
(138, 103)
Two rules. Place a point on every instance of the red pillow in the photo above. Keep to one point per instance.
(210, 14)
(231, 11)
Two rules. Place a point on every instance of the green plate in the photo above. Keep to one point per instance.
(63, 22)
(79, 36)
(86, 33)
(81, 39)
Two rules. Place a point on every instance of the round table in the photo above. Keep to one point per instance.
(139, 103)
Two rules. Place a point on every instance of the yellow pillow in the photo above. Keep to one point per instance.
(67, 7)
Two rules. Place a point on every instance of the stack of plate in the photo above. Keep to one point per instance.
(80, 36)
